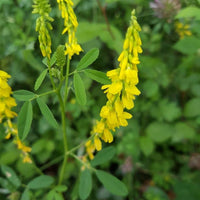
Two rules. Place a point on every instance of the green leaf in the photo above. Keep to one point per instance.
(192, 108)
(58, 196)
(52, 60)
(97, 76)
(166, 110)
(195, 89)
(188, 45)
(187, 12)
(155, 193)
(182, 131)
(85, 185)
(24, 120)
(79, 89)
(50, 195)
(9, 156)
(150, 88)
(23, 95)
(60, 188)
(11, 175)
(111, 183)
(88, 59)
(40, 182)
(169, 110)
(186, 190)
(103, 156)
(159, 132)
(146, 145)
(25, 195)
(87, 31)
(46, 112)
(53, 195)
(31, 60)
(7, 185)
(112, 38)
(40, 79)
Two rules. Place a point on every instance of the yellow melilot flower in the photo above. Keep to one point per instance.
(6, 114)
(43, 25)
(6, 101)
(24, 149)
(121, 92)
(70, 23)
(182, 30)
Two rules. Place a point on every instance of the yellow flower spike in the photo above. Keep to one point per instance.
(70, 23)
(6, 114)
(6, 101)
(121, 92)
(42, 7)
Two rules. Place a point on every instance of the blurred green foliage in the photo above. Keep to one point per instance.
(158, 154)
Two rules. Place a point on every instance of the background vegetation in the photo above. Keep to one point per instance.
(158, 155)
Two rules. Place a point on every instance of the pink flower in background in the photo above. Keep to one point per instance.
(127, 166)
(165, 9)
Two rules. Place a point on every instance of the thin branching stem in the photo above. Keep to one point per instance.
(43, 94)
(66, 80)
(63, 107)
(64, 137)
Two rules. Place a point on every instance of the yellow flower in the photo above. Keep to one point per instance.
(43, 25)
(182, 30)
(70, 23)
(121, 92)
(6, 114)
(97, 143)
(6, 101)
(107, 136)
(90, 149)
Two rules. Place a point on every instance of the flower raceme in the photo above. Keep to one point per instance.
(6, 101)
(6, 114)
(121, 92)
(70, 23)
(43, 25)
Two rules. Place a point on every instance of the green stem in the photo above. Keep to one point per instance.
(64, 138)
(78, 146)
(82, 162)
(63, 106)
(75, 71)
(58, 159)
(66, 80)
(43, 94)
